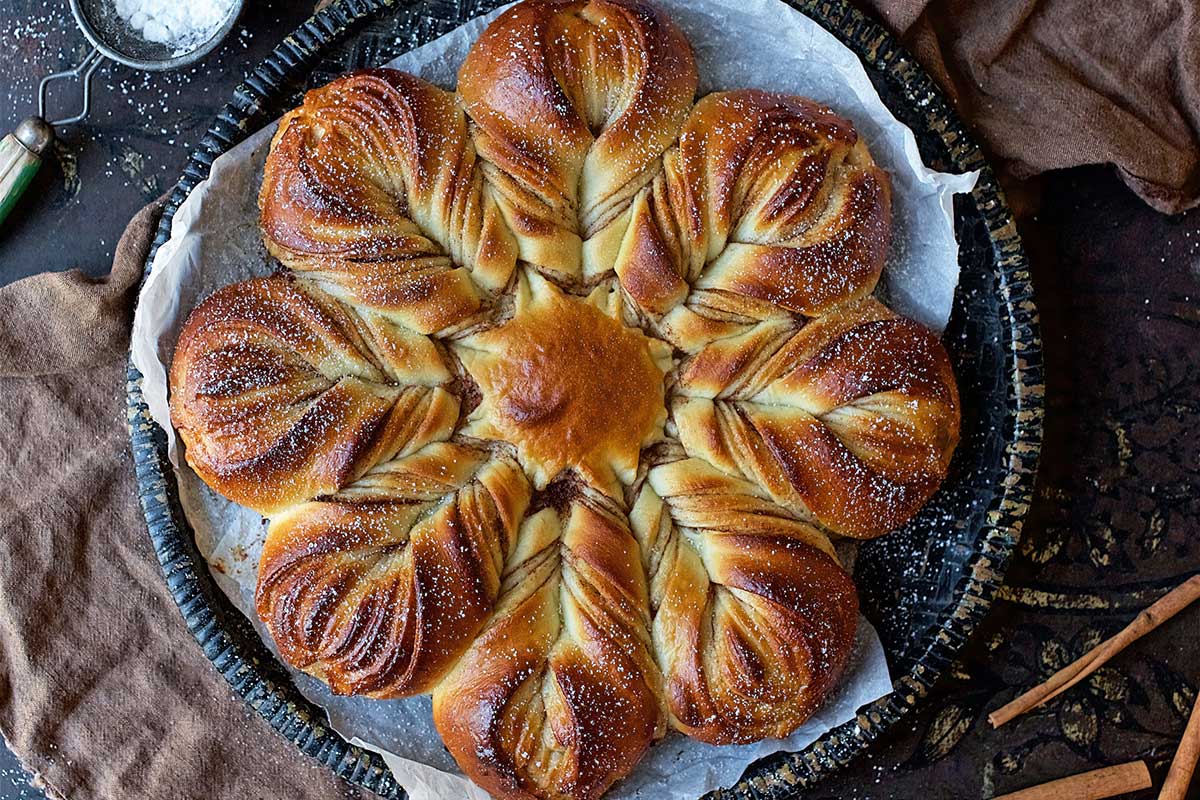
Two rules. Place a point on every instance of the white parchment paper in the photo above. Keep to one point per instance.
(215, 241)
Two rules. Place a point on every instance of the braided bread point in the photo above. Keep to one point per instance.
(378, 589)
(768, 203)
(849, 420)
(559, 695)
(754, 617)
(371, 189)
(574, 103)
(280, 393)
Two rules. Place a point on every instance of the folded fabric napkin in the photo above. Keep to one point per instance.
(1048, 84)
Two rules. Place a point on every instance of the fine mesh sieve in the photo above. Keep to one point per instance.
(112, 38)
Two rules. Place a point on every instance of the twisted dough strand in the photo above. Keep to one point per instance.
(372, 190)
(378, 588)
(559, 695)
(753, 614)
(281, 394)
(768, 203)
(573, 104)
(849, 420)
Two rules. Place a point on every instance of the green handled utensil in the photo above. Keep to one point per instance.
(20, 156)
(21, 151)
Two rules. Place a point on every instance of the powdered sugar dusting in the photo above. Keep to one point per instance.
(180, 25)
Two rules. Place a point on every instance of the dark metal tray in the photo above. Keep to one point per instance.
(925, 587)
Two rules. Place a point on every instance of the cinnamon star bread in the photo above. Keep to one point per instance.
(563, 386)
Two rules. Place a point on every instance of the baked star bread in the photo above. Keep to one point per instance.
(564, 384)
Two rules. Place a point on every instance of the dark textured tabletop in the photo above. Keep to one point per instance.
(1116, 520)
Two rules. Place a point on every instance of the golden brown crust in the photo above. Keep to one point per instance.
(559, 695)
(754, 618)
(371, 189)
(569, 386)
(849, 420)
(529, 244)
(377, 589)
(767, 197)
(281, 394)
(796, 209)
(574, 102)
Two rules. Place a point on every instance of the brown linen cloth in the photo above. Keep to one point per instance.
(103, 692)
(1048, 84)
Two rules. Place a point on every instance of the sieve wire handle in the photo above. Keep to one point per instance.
(83, 73)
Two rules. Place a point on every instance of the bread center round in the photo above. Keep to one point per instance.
(568, 385)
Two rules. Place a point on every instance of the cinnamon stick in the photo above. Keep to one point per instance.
(1095, 785)
(1166, 607)
(1176, 785)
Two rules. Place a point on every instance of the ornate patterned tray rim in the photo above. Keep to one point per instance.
(234, 648)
